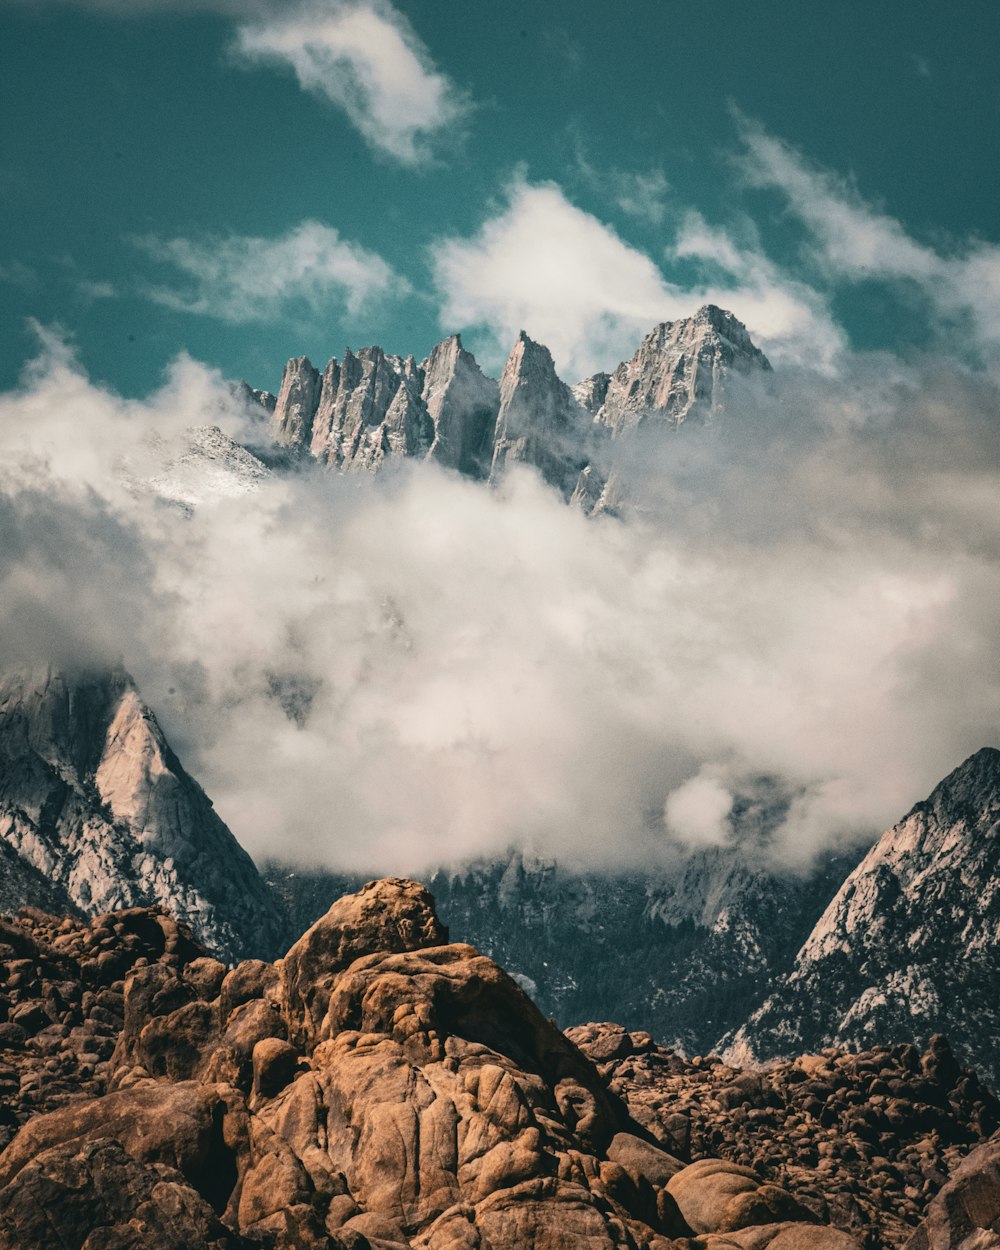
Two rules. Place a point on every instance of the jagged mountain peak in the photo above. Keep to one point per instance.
(679, 370)
(907, 947)
(93, 797)
(975, 782)
(353, 417)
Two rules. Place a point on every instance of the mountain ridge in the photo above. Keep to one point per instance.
(373, 408)
(909, 944)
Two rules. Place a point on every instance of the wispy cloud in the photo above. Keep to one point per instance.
(243, 278)
(365, 58)
(640, 193)
(543, 265)
(852, 240)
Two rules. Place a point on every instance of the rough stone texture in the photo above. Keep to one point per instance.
(420, 1099)
(540, 423)
(463, 404)
(966, 1212)
(677, 374)
(370, 412)
(908, 946)
(862, 1140)
(295, 408)
(592, 392)
(94, 1194)
(93, 799)
(62, 1000)
(388, 915)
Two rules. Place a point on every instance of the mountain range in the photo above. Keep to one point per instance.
(97, 813)
(371, 409)
(753, 1057)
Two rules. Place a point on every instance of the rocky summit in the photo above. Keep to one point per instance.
(382, 1087)
(97, 813)
(908, 945)
(677, 374)
(371, 408)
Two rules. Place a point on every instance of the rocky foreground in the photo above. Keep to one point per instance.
(381, 1087)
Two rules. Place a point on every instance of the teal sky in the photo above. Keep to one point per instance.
(849, 152)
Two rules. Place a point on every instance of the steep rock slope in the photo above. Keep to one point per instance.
(540, 422)
(462, 404)
(93, 799)
(678, 372)
(378, 1089)
(910, 945)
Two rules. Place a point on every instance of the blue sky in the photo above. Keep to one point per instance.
(245, 182)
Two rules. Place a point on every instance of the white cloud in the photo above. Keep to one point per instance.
(642, 195)
(811, 595)
(697, 812)
(243, 278)
(545, 266)
(852, 240)
(364, 57)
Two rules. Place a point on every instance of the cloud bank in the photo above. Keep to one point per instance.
(388, 674)
(543, 265)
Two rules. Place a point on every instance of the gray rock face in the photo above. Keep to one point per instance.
(592, 392)
(540, 422)
(908, 946)
(295, 407)
(463, 404)
(93, 799)
(677, 374)
(254, 399)
(370, 412)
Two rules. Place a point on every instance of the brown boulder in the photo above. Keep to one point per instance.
(791, 1236)
(715, 1195)
(966, 1212)
(643, 1157)
(190, 1127)
(390, 915)
(94, 1193)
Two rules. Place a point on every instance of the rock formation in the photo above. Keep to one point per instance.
(295, 407)
(93, 799)
(378, 1088)
(908, 946)
(678, 372)
(539, 423)
(864, 1140)
(372, 408)
(463, 404)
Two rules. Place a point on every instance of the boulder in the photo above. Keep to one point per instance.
(966, 1211)
(390, 915)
